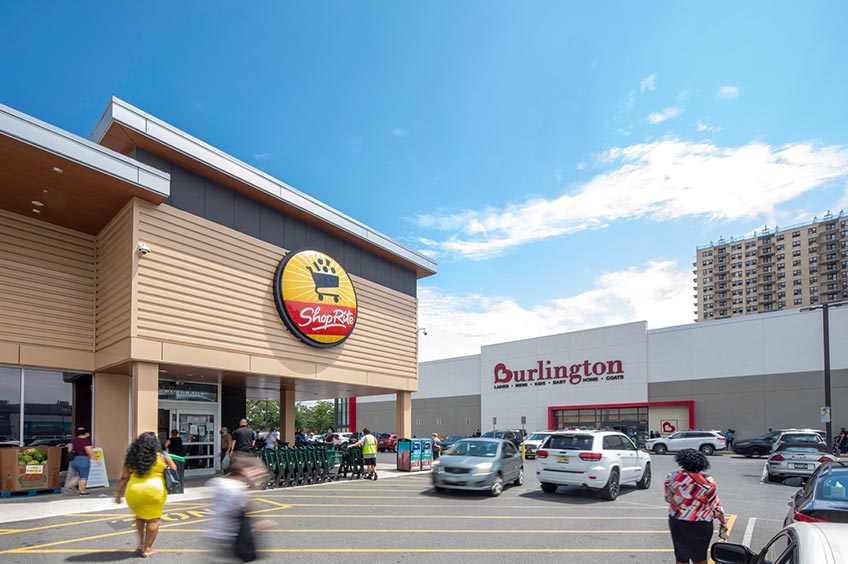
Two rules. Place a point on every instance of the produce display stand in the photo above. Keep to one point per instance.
(29, 470)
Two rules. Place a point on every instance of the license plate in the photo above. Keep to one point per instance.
(562, 459)
(800, 466)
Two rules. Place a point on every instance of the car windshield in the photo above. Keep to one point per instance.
(798, 438)
(834, 486)
(493, 435)
(538, 436)
(454, 438)
(485, 449)
(807, 449)
(385, 436)
(571, 442)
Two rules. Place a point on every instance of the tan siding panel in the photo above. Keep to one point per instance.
(209, 286)
(46, 285)
(115, 255)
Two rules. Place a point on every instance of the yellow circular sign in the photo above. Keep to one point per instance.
(315, 298)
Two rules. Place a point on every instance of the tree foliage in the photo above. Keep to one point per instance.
(312, 417)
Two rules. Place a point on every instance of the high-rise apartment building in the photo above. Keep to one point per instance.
(772, 270)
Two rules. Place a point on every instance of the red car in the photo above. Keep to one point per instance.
(387, 442)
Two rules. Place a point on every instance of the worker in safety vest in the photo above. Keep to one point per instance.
(369, 453)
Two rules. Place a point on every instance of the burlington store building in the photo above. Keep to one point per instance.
(749, 373)
(151, 282)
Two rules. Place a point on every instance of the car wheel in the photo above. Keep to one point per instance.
(775, 478)
(548, 487)
(645, 482)
(610, 490)
(660, 449)
(708, 450)
(756, 452)
(439, 488)
(497, 486)
(519, 481)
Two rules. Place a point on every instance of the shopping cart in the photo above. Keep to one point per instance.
(324, 281)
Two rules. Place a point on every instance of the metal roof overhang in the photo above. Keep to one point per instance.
(82, 185)
(124, 126)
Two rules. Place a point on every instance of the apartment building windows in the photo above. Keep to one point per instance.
(812, 250)
(811, 230)
(797, 292)
(780, 237)
(796, 282)
(796, 243)
(796, 272)
(814, 269)
(796, 263)
(812, 241)
(797, 301)
(796, 234)
(736, 247)
(814, 289)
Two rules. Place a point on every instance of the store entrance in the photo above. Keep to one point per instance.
(632, 421)
(196, 426)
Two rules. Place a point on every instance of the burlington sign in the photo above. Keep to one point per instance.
(545, 373)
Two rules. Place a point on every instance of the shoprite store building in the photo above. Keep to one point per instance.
(150, 282)
(749, 374)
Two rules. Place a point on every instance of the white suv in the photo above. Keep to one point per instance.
(706, 441)
(534, 441)
(598, 460)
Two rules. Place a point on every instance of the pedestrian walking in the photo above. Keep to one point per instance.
(693, 503)
(82, 453)
(729, 436)
(143, 478)
(226, 439)
(244, 440)
(369, 452)
(174, 444)
(437, 446)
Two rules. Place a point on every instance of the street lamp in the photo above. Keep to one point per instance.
(826, 338)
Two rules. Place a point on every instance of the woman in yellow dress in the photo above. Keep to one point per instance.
(144, 479)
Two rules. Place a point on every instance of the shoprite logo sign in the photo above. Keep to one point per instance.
(546, 372)
(315, 298)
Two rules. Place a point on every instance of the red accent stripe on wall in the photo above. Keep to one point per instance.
(351, 414)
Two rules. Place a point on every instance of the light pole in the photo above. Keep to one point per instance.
(826, 338)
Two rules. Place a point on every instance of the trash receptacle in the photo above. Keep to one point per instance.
(180, 462)
(404, 454)
(426, 454)
(415, 456)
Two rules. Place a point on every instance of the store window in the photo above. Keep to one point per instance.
(48, 414)
(10, 406)
(632, 421)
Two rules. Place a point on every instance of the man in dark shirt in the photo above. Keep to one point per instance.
(174, 445)
(244, 439)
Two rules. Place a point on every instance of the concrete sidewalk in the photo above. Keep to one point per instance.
(42, 506)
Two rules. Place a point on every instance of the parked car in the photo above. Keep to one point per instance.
(387, 442)
(798, 437)
(343, 439)
(796, 459)
(532, 443)
(800, 543)
(824, 498)
(758, 446)
(451, 440)
(598, 460)
(706, 441)
(515, 436)
(479, 464)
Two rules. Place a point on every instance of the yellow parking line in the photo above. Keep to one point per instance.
(450, 531)
(447, 550)
(446, 506)
(55, 526)
(81, 539)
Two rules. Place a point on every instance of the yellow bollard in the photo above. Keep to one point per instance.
(523, 457)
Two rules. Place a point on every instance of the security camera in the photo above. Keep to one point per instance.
(425, 332)
(143, 249)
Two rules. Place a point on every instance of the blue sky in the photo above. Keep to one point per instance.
(561, 160)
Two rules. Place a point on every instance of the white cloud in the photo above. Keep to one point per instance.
(701, 126)
(648, 84)
(261, 156)
(662, 180)
(666, 114)
(399, 132)
(659, 292)
(728, 92)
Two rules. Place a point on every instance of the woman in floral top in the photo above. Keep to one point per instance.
(692, 504)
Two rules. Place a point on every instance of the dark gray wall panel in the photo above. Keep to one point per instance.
(152, 160)
(219, 204)
(335, 248)
(273, 227)
(368, 268)
(352, 258)
(384, 272)
(246, 215)
(190, 196)
(295, 233)
(316, 239)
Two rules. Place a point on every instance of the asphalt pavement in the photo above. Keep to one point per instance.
(400, 518)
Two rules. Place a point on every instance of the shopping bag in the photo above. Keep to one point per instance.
(172, 481)
(225, 462)
(245, 546)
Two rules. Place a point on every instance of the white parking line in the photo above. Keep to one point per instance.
(749, 531)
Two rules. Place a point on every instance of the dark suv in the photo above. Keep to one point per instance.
(515, 436)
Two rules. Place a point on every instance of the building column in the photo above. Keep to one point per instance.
(403, 416)
(145, 398)
(110, 421)
(287, 412)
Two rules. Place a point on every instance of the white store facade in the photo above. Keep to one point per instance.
(750, 374)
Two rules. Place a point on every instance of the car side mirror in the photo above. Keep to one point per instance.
(794, 482)
(728, 553)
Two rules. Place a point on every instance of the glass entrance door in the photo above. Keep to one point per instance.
(196, 427)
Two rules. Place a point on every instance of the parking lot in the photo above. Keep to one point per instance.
(402, 519)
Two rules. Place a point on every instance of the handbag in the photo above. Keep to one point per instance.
(245, 547)
(172, 481)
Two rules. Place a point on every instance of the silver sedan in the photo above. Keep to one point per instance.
(479, 464)
(796, 460)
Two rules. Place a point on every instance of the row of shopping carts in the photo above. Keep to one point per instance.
(310, 464)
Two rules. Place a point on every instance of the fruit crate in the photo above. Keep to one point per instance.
(29, 468)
